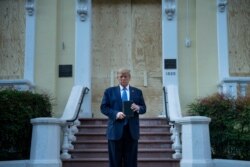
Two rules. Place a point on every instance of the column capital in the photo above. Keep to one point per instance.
(222, 5)
(30, 7)
(170, 9)
(82, 9)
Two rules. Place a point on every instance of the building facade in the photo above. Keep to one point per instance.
(198, 45)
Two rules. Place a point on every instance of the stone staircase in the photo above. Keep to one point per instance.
(90, 149)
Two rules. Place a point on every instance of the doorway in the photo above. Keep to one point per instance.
(127, 33)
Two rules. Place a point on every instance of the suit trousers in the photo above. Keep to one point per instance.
(123, 152)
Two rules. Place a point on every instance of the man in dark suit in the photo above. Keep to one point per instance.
(122, 132)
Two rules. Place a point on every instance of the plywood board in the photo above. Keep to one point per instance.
(12, 27)
(127, 33)
(239, 41)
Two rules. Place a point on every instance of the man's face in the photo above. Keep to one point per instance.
(123, 79)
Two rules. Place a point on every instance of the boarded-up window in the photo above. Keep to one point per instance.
(12, 27)
(239, 37)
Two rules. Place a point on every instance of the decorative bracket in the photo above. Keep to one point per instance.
(170, 9)
(30, 7)
(82, 10)
(222, 5)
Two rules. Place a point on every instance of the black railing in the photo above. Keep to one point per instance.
(85, 91)
(165, 104)
(166, 107)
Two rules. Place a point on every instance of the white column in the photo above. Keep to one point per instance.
(222, 39)
(83, 62)
(169, 42)
(30, 31)
(196, 149)
(45, 144)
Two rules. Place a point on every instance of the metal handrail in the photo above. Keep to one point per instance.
(85, 91)
(166, 107)
(165, 104)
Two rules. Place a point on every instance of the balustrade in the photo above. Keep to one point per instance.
(45, 144)
(70, 115)
(69, 131)
(190, 135)
(173, 113)
(44, 153)
(65, 145)
(176, 136)
(235, 86)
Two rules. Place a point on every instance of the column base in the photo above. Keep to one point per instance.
(45, 163)
(196, 163)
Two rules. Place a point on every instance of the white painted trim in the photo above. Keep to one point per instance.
(30, 38)
(83, 62)
(222, 39)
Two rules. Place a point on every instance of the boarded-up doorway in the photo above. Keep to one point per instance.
(127, 33)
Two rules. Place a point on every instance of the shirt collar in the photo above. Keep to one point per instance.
(121, 87)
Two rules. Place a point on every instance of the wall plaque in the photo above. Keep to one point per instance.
(170, 64)
(65, 70)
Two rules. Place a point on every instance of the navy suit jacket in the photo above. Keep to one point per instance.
(112, 104)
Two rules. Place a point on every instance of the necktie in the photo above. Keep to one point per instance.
(124, 98)
(124, 95)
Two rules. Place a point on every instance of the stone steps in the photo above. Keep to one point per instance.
(154, 149)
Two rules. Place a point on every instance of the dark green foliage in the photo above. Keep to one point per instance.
(17, 108)
(230, 125)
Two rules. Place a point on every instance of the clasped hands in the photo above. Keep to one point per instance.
(121, 115)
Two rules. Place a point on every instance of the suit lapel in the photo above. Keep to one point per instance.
(118, 93)
(132, 93)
